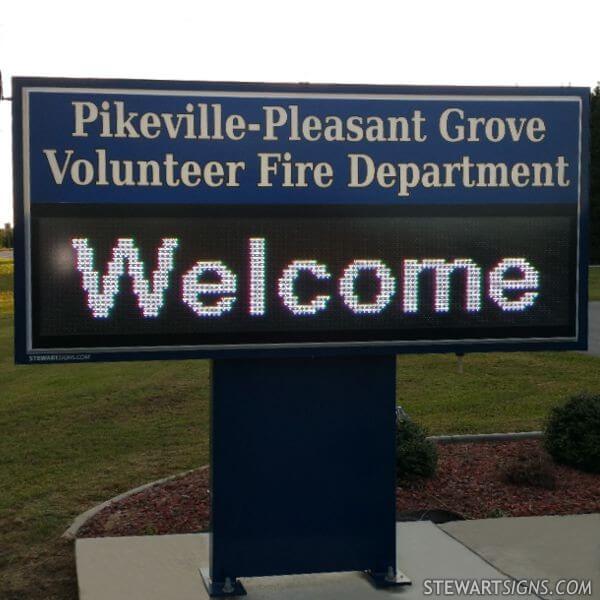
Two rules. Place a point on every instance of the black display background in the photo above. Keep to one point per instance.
(543, 234)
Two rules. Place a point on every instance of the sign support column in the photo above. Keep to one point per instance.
(303, 468)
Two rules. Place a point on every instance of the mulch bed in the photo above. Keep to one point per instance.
(469, 483)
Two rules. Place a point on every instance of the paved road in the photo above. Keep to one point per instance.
(594, 329)
(6, 253)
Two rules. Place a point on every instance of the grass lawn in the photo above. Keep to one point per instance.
(74, 435)
(594, 287)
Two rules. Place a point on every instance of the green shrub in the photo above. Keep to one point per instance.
(572, 434)
(534, 470)
(416, 456)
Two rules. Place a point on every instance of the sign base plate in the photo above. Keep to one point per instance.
(388, 580)
(221, 589)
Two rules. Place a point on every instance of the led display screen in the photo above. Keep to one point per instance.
(271, 276)
(170, 219)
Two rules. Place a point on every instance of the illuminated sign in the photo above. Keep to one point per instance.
(171, 219)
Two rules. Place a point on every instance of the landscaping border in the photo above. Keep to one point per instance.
(84, 517)
(486, 437)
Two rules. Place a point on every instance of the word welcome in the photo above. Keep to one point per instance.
(210, 288)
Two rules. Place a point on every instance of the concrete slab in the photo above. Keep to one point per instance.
(161, 567)
(537, 547)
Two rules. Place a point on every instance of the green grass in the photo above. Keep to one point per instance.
(6, 285)
(495, 393)
(594, 287)
(74, 435)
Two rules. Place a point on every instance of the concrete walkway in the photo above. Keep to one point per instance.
(166, 567)
(550, 548)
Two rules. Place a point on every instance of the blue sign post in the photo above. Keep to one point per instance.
(300, 236)
(303, 468)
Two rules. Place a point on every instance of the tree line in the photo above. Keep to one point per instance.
(6, 237)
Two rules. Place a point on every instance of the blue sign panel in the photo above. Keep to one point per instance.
(171, 219)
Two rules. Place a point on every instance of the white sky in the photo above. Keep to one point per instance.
(505, 42)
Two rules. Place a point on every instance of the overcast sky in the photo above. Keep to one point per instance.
(524, 42)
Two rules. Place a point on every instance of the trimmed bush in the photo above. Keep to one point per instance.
(416, 456)
(534, 470)
(572, 435)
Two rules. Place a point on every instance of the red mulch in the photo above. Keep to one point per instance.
(178, 506)
(469, 482)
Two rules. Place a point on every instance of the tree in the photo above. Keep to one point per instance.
(6, 237)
